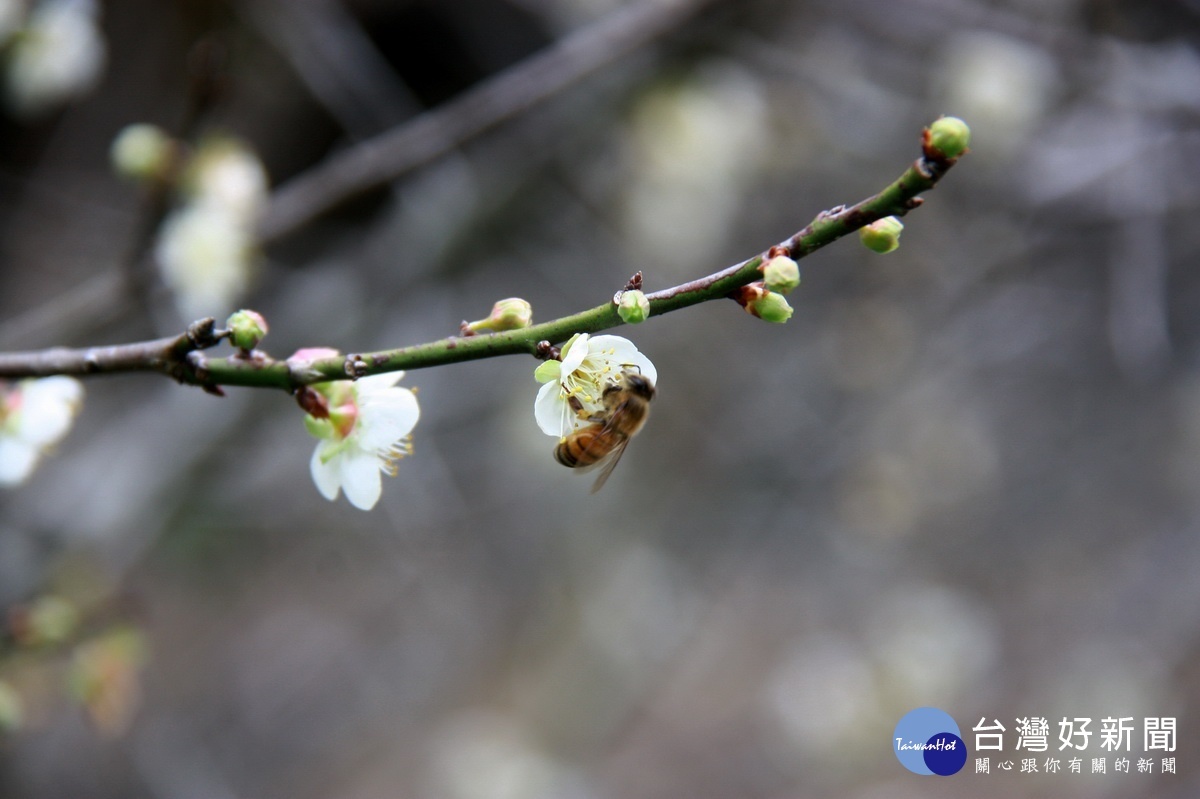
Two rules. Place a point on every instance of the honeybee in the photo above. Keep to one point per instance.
(601, 444)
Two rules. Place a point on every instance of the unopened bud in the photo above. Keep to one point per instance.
(882, 235)
(781, 274)
(142, 152)
(949, 137)
(769, 306)
(513, 313)
(633, 307)
(246, 329)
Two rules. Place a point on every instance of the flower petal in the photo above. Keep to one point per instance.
(361, 479)
(47, 409)
(325, 473)
(548, 409)
(573, 355)
(625, 353)
(385, 418)
(373, 383)
(17, 460)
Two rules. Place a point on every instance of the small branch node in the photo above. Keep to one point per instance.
(203, 333)
(356, 367)
(545, 351)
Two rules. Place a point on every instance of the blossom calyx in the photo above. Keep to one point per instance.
(781, 274)
(882, 235)
(633, 307)
(948, 138)
(767, 305)
(246, 329)
(513, 313)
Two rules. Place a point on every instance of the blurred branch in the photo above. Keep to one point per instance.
(377, 161)
(337, 61)
(109, 296)
(180, 357)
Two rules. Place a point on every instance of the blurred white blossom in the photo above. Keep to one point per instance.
(58, 53)
(693, 147)
(34, 416)
(226, 173)
(206, 247)
(205, 253)
(1000, 84)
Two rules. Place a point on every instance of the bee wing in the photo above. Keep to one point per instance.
(606, 465)
(609, 462)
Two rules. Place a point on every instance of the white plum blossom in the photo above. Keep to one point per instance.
(573, 388)
(58, 55)
(34, 416)
(366, 432)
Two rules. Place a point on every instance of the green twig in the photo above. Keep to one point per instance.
(184, 361)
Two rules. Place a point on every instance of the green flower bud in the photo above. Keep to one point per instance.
(633, 307)
(882, 235)
(949, 136)
(513, 313)
(767, 305)
(781, 274)
(142, 152)
(246, 329)
(771, 307)
(11, 711)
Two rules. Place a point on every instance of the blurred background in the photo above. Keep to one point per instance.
(965, 474)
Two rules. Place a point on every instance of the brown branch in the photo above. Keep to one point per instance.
(170, 355)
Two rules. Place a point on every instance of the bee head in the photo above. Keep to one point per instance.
(639, 384)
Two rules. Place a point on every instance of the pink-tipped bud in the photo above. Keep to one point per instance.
(246, 329)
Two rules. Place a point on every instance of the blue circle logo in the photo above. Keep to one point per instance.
(928, 741)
